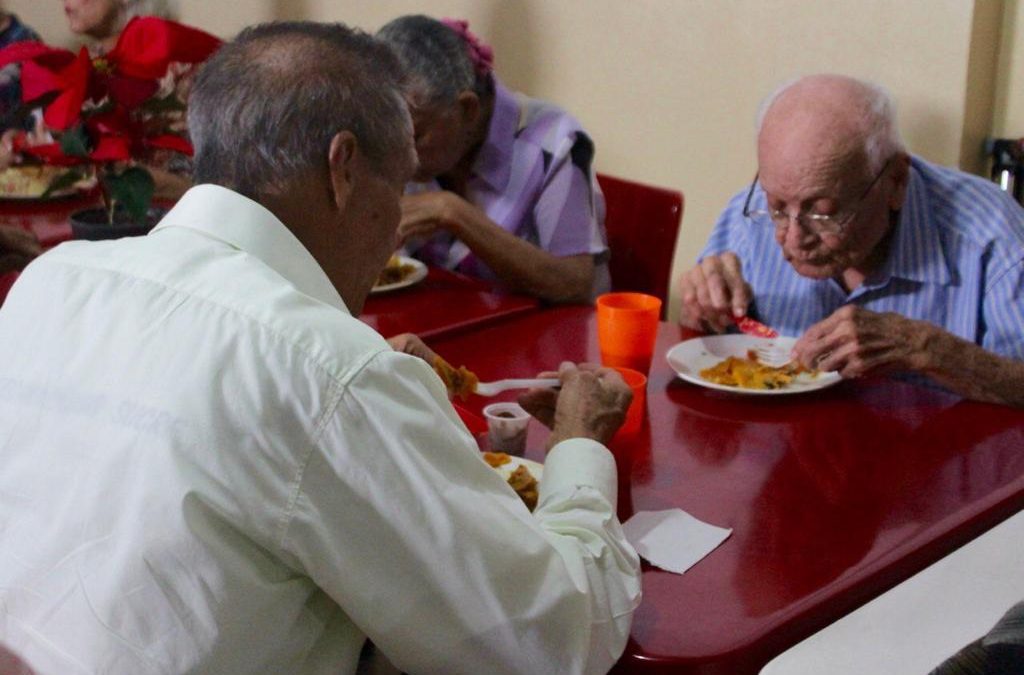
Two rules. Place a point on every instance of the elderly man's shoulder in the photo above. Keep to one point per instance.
(968, 204)
(951, 183)
(546, 125)
(219, 284)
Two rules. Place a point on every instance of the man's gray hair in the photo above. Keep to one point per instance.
(435, 58)
(882, 134)
(265, 107)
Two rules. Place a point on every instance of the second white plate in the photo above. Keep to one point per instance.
(692, 356)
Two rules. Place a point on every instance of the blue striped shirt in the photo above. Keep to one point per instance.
(956, 260)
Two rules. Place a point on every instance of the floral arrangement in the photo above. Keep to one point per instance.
(109, 115)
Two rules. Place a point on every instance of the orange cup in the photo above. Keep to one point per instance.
(627, 325)
(637, 381)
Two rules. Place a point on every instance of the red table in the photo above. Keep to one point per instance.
(444, 302)
(50, 220)
(833, 496)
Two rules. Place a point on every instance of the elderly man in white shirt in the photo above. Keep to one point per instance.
(210, 466)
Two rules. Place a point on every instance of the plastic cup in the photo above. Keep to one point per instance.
(637, 381)
(506, 427)
(627, 326)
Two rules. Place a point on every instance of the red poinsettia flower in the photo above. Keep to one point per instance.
(128, 75)
(64, 73)
(148, 45)
(104, 111)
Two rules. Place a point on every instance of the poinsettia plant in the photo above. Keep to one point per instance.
(111, 113)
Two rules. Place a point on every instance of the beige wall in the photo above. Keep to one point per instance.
(1009, 99)
(668, 88)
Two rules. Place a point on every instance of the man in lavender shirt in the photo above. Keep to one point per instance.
(506, 187)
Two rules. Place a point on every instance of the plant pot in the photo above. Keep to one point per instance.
(92, 224)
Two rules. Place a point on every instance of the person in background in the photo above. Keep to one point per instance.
(879, 260)
(505, 188)
(11, 30)
(101, 22)
(210, 465)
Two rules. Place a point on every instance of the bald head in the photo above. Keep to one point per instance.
(829, 120)
(828, 145)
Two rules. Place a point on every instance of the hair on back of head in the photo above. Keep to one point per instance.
(436, 59)
(264, 108)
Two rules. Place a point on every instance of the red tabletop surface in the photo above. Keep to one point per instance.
(833, 496)
(50, 220)
(443, 302)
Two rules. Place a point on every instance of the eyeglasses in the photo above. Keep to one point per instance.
(816, 223)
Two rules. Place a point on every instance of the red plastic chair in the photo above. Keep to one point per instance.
(642, 223)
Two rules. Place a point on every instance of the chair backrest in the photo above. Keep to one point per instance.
(642, 222)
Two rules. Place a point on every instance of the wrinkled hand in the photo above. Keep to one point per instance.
(17, 248)
(407, 343)
(856, 342)
(591, 403)
(713, 293)
(425, 213)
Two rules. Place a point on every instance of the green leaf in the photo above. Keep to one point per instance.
(74, 142)
(62, 181)
(132, 188)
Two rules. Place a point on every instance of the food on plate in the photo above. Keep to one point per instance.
(459, 381)
(750, 373)
(394, 272)
(520, 479)
(496, 459)
(525, 485)
(30, 181)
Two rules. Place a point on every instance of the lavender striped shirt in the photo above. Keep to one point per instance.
(534, 177)
(956, 261)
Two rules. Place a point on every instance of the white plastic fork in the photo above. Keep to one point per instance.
(498, 386)
(773, 355)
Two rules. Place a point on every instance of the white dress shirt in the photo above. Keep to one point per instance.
(207, 465)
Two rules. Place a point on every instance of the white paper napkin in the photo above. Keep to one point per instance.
(672, 540)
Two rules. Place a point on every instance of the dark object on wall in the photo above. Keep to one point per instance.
(1008, 165)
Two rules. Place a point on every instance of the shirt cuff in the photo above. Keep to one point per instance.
(580, 462)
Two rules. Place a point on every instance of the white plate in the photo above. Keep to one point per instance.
(692, 356)
(416, 276)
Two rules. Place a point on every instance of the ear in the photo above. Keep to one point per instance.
(900, 178)
(469, 107)
(341, 157)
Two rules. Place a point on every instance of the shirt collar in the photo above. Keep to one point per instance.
(493, 163)
(248, 226)
(917, 253)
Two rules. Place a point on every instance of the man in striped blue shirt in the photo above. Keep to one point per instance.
(879, 260)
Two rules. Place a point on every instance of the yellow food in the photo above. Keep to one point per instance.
(496, 459)
(394, 272)
(749, 373)
(519, 479)
(29, 180)
(525, 485)
(459, 381)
